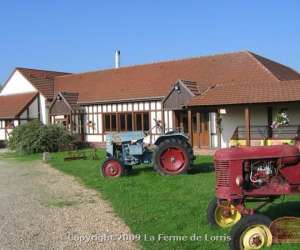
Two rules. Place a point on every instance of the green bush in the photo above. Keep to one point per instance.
(34, 137)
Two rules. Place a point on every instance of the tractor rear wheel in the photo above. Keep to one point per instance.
(222, 215)
(112, 168)
(251, 232)
(172, 156)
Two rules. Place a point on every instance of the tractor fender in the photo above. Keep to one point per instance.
(169, 136)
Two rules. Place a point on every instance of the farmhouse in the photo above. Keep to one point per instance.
(220, 101)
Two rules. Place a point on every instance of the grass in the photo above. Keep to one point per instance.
(172, 206)
(20, 157)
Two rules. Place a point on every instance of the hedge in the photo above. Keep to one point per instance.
(34, 137)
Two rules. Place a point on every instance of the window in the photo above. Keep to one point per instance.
(9, 124)
(110, 122)
(125, 122)
(138, 122)
(129, 122)
(113, 122)
(142, 121)
(146, 121)
(107, 122)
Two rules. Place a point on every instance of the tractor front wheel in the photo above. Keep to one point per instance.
(251, 232)
(112, 168)
(222, 214)
(172, 157)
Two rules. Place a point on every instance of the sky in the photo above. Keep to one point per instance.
(78, 36)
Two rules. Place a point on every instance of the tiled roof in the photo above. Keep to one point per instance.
(192, 86)
(156, 79)
(42, 80)
(71, 98)
(11, 106)
(280, 71)
(251, 92)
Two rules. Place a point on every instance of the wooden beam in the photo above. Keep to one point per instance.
(198, 127)
(247, 126)
(174, 120)
(270, 121)
(71, 122)
(219, 128)
(181, 126)
(163, 121)
(190, 132)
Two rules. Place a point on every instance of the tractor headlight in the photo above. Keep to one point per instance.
(239, 181)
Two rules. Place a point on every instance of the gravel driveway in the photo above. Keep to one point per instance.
(41, 208)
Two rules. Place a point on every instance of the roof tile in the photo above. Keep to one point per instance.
(12, 105)
(42, 80)
(156, 79)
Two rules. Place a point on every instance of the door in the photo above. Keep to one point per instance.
(200, 127)
(181, 121)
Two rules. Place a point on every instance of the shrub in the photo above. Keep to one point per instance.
(34, 137)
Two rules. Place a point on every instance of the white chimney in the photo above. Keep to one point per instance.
(117, 59)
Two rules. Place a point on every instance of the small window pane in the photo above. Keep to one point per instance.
(113, 122)
(129, 122)
(138, 120)
(107, 122)
(123, 122)
(146, 121)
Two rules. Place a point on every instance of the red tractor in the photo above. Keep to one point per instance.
(251, 174)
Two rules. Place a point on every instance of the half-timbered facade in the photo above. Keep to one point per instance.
(93, 122)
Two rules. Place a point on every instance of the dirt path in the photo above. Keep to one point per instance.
(41, 208)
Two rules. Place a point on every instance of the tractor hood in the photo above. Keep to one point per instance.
(266, 152)
(119, 137)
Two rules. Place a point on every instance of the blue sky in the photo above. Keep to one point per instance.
(77, 36)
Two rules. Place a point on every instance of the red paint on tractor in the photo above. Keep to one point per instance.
(288, 154)
(173, 160)
(112, 168)
(264, 171)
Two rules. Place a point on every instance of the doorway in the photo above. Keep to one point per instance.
(200, 129)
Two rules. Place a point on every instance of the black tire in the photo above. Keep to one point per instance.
(244, 224)
(127, 169)
(191, 153)
(121, 169)
(177, 144)
(210, 213)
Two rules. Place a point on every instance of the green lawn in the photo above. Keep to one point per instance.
(173, 206)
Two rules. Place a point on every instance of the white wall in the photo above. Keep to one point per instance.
(2, 134)
(293, 111)
(235, 117)
(33, 111)
(43, 110)
(17, 84)
(93, 138)
(258, 114)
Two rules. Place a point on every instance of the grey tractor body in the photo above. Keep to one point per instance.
(129, 147)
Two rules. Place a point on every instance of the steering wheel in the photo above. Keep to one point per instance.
(158, 123)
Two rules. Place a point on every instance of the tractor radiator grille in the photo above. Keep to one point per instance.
(222, 175)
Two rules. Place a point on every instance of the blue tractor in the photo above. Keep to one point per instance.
(171, 154)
